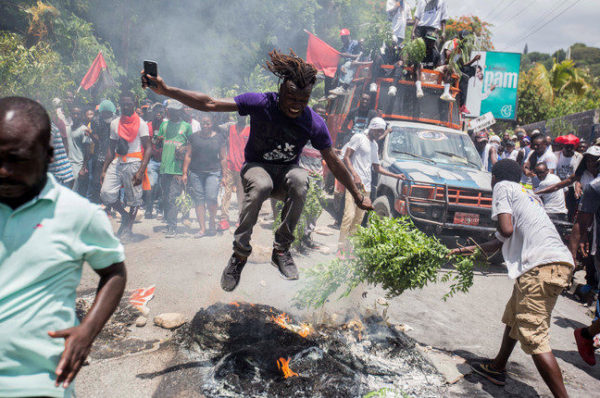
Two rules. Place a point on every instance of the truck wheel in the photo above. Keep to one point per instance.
(383, 206)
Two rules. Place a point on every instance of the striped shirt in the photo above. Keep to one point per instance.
(60, 166)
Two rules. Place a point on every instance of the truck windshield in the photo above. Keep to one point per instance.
(438, 146)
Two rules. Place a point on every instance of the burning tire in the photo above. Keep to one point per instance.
(253, 350)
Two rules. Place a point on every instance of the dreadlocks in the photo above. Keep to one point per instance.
(291, 67)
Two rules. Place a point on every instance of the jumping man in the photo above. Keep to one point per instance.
(280, 126)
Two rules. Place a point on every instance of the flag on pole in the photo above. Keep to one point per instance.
(98, 71)
(324, 57)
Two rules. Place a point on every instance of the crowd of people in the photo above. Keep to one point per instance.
(558, 169)
(443, 54)
(154, 155)
(145, 157)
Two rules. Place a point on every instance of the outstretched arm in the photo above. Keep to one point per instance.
(342, 175)
(559, 185)
(382, 171)
(193, 99)
(505, 231)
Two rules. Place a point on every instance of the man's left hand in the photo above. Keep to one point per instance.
(78, 341)
(83, 172)
(137, 178)
(365, 204)
(401, 177)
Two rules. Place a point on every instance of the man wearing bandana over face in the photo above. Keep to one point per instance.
(125, 166)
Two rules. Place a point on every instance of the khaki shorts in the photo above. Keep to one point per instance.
(529, 309)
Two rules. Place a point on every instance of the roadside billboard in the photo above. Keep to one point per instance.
(494, 86)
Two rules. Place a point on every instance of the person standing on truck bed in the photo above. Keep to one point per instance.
(430, 21)
(350, 51)
(281, 124)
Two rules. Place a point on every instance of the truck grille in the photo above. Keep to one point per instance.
(466, 197)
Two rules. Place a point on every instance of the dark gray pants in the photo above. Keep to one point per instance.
(172, 188)
(288, 183)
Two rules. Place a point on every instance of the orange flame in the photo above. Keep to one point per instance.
(284, 365)
(235, 303)
(284, 321)
(305, 330)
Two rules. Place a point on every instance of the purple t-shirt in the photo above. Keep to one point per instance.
(276, 138)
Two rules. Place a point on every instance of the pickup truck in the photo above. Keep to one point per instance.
(446, 192)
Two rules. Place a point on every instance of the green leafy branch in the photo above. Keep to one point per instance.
(393, 254)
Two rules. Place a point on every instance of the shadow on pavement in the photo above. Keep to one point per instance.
(574, 359)
(175, 368)
(567, 323)
(513, 388)
(133, 238)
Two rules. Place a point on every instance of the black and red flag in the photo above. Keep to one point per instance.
(98, 75)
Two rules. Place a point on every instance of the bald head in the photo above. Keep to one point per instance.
(542, 167)
(541, 171)
(24, 117)
(25, 149)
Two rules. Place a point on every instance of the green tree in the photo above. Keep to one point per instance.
(36, 72)
(472, 24)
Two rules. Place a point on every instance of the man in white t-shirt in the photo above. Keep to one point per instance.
(361, 156)
(568, 161)
(431, 14)
(430, 23)
(125, 166)
(399, 13)
(554, 202)
(541, 265)
(509, 150)
(540, 152)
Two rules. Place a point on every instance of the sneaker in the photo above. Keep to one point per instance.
(420, 92)
(125, 225)
(447, 97)
(484, 369)
(231, 274)
(171, 232)
(285, 263)
(373, 87)
(309, 243)
(392, 91)
(585, 347)
(463, 109)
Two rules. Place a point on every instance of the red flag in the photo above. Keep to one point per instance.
(97, 69)
(324, 57)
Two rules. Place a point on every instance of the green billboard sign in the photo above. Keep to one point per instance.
(494, 86)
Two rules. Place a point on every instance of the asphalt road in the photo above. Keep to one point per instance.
(186, 272)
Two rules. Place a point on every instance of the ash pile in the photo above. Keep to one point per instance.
(242, 349)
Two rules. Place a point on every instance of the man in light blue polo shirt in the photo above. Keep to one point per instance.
(47, 233)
